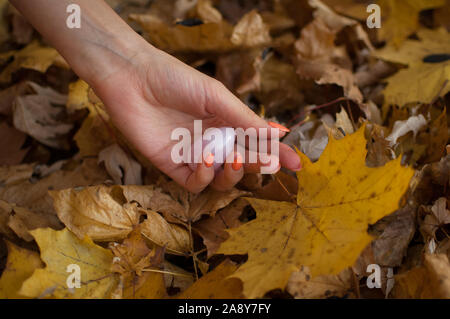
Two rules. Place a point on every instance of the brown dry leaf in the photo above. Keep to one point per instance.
(283, 187)
(302, 286)
(249, 32)
(20, 265)
(16, 188)
(173, 237)
(178, 205)
(15, 174)
(34, 56)
(212, 229)
(11, 143)
(379, 151)
(120, 166)
(391, 245)
(436, 139)
(21, 220)
(37, 116)
(207, 13)
(319, 59)
(429, 281)
(216, 284)
(437, 216)
(22, 31)
(99, 212)
(134, 261)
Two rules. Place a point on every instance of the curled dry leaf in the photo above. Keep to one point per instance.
(429, 281)
(120, 166)
(60, 249)
(212, 229)
(21, 220)
(37, 116)
(99, 212)
(134, 261)
(16, 188)
(173, 237)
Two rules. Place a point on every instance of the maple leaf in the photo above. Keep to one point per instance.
(428, 74)
(215, 284)
(20, 265)
(402, 18)
(60, 249)
(326, 230)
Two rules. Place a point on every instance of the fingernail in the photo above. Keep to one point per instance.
(209, 160)
(237, 164)
(298, 168)
(279, 126)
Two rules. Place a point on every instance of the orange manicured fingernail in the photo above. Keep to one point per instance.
(237, 164)
(279, 126)
(209, 160)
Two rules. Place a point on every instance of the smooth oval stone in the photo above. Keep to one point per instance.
(224, 145)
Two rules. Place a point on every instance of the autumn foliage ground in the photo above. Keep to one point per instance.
(368, 113)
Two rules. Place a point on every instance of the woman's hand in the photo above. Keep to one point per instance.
(147, 92)
(156, 93)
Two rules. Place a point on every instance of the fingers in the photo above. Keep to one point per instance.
(289, 158)
(232, 173)
(202, 176)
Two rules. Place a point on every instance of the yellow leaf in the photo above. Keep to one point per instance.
(215, 284)
(430, 281)
(401, 18)
(20, 265)
(422, 81)
(60, 249)
(326, 230)
(34, 56)
(99, 212)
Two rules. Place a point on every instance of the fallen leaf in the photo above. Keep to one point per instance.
(302, 286)
(36, 116)
(216, 284)
(96, 211)
(20, 265)
(59, 249)
(120, 166)
(212, 229)
(412, 124)
(173, 237)
(134, 261)
(421, 81)
(326, 229)
(34, 56)
(11, 145)
(429, 281)
(401, 18)
(21, 220)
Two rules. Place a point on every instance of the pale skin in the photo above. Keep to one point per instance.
(147, 92)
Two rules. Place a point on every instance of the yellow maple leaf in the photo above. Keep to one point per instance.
(59, 249)
(402, 18)
(20, 265)
(326, 230)
(215, 284)
(428, 74)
